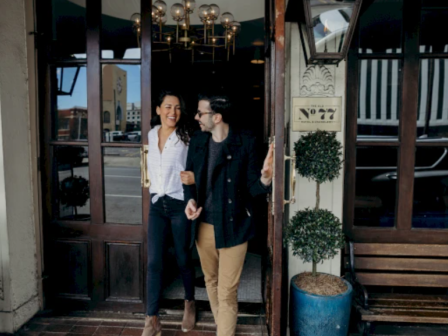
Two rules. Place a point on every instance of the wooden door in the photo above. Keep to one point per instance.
(275, 131)
(95, 110)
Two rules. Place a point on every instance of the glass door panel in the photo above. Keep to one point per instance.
(376, 177)
(379, 99)
(70, 117)
(432, 117)
(121, 103)
(68, 29)
(430, 206)
(71, 182)
(121, 29)
(433, 25)
(381, 28)
(122, 185)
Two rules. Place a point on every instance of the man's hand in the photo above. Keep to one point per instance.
(187, 177)
(192, 211)
(267, 171)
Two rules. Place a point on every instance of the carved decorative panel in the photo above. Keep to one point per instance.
(318, 81)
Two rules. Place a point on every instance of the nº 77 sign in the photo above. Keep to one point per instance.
(317, 113)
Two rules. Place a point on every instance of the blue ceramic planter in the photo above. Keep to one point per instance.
(317, 315)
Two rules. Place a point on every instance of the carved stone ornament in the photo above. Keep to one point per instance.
(317, 81)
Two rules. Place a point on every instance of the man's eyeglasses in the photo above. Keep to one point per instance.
(202, 113)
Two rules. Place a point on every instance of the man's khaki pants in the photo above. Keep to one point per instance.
(222, 270)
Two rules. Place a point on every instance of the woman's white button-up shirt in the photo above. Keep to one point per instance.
(164, 168)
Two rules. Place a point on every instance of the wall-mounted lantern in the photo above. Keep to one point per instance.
(326, 27)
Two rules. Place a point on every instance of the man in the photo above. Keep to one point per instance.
(224, 170)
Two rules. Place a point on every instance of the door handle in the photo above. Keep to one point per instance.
(292, 181)
(145, 181)
(292, 199)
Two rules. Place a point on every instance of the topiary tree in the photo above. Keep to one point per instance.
(316, 234)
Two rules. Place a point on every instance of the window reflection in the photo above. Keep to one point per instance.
(376, 176)
(122, 115)
(120, 33)
(380, 28)
(379, 99)
(430, 206)
(432, 118)
(70, 113)
(72, 183)
(433, 26)
(122, 185)
(69, 29)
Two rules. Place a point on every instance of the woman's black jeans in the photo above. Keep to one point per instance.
(167, 216)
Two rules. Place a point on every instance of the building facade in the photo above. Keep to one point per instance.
(393, 186)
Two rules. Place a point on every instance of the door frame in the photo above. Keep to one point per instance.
(274, 124)
(275, 129)
(95, 230)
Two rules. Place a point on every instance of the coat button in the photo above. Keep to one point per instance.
(230, 201)
(229, 180)
(229, 157)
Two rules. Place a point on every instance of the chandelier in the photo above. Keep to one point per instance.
(185, 36)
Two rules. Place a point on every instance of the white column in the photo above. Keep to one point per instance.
(19, 299)
(331, 193)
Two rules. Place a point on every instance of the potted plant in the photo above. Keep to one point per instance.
(319, 303)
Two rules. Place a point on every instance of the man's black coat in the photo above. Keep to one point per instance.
(235, 180)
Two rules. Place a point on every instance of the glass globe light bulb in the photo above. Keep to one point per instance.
(189, 5)
(235, 26)
(155, 13)
(177, 12)
(214, 12)
(226, 19)
(136, 18)
(161, 6)
(203, 12)
(162, 19)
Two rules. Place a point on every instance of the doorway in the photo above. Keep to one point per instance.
(100, 75)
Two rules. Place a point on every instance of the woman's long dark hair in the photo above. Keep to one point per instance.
(183, 126)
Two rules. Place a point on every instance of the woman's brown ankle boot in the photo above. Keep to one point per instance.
(152, 326)
(189, 319)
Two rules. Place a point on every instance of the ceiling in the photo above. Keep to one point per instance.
(242, 10)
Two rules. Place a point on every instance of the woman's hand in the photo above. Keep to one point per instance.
(187, 177)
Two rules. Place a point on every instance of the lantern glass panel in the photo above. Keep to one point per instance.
(330, 24)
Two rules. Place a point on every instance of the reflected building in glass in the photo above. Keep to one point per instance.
(114, 98)
(134, 117)
(72, 123)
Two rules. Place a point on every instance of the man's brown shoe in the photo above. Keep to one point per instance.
(152, 326)
(189, 319)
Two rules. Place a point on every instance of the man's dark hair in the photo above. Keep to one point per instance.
(219, 103)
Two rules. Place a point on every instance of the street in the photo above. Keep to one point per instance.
(122, 190)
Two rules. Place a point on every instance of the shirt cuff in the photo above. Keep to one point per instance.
(265, 187)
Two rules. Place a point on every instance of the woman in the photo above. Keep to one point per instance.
(167, 156)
